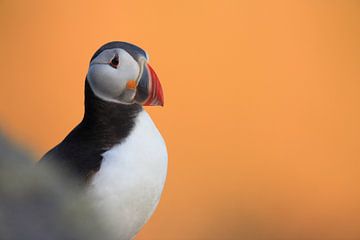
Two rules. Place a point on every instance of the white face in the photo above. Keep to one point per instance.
(113, 76)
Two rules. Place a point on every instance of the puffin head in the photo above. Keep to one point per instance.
(119, 72)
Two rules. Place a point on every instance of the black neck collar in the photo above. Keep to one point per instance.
(104, 125)
(107, 114)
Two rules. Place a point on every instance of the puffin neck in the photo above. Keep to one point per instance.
(104, 116)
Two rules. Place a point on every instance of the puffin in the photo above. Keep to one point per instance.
(116, 152)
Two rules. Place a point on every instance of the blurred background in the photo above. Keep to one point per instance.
(262, 105)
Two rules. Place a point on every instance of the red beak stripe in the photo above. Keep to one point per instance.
(156, 96)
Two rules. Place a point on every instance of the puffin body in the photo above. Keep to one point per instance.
(131, 178)
(116, 150)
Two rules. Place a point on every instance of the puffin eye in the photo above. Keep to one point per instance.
(115, 61)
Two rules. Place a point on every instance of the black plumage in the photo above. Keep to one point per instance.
(132, 49)
(104, 124)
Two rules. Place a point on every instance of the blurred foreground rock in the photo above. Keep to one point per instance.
(37, 203)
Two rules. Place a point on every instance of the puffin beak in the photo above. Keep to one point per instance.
(149, 91)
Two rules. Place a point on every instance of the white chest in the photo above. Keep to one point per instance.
(127, 188)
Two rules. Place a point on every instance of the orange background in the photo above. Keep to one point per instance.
(262, 105)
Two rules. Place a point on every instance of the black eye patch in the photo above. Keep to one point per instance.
(115, 61)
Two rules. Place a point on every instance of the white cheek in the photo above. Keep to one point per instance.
(109, 83)
(128, 68)
(105, 81)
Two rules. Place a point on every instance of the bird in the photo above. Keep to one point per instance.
(116, 152)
